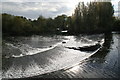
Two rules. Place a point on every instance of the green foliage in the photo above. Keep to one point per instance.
(18, 25)
(93, 17)
(60, 22)
(15, 25)
(116, 26)
(50, 26)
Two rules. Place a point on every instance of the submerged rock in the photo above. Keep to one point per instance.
(63, 42)
(90, 48)
(86, 48)
(50, 46)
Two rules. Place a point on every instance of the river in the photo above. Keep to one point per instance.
(47, 57)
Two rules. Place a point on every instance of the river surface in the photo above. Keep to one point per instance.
(47, 57)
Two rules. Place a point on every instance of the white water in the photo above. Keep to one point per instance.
(28, 50)
(61, 59)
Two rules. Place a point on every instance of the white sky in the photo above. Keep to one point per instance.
(48, 8)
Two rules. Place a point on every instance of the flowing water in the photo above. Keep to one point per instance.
(47, 56)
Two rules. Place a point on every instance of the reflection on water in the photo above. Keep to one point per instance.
(103, 64)
(60, 60)
(106, 48)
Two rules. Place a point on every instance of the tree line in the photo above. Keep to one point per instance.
(93, 17)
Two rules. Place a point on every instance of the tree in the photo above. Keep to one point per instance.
(15, 25)
(116, 25)
(50, 26)
(93, 17)
(60, 22)
(106, 12)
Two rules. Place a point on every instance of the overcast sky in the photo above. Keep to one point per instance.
(47, 8)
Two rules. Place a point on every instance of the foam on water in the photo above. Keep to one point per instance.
(31, 51)
(28, 50)
(61, 63)
(66, 59)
